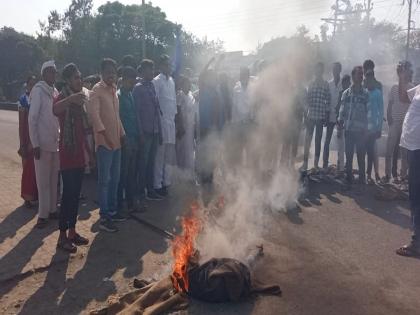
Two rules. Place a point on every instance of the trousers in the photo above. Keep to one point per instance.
(46, 172)
(129, 172)
(414, 192)
(72, 186)
(392, 152)
(355, 140)
(310, 126)
(162, 170)
(109, 165)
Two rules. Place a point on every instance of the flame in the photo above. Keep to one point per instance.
(183, 249)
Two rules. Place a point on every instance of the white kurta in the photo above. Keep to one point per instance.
(165, 154)
(185, 146)
(165, 91)
(241, 109)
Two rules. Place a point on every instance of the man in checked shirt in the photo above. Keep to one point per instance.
(317, 113)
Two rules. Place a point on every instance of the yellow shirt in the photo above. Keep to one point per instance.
(104, 112)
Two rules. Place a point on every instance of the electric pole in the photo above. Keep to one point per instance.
(407, 47)
(368, 9)
(143, 25)
(349, 10)
(335, 17)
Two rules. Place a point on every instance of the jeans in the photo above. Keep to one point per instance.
(310, 126)
(355, 139)
(414, 192)
(129, 172)
(371, 152)
(72, 185)
(147, 161)
(326, 155)
(109, 164)
(341, 149)
(392, 152)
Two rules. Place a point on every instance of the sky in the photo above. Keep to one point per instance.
(240, 24)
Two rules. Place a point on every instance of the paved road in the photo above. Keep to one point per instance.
(9, 135)
(333, 256)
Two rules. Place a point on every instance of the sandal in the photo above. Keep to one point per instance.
(79, 240)
(67, 246)
(41, 223)
(54, 215)
(408, 251)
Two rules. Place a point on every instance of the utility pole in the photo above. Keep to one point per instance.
(335, 17)
(342, 13)
(143, 25)
(407, 47)
(368, 9)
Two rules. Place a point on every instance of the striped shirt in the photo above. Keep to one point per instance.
(399, 108)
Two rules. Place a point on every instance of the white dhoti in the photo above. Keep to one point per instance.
(46, 171)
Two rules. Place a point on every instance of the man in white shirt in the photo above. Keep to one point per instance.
(410, 140)
(335, 89)
(241, 116)
(44, 134)
(241, 110)
(165, 155)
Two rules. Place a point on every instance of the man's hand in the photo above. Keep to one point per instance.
(78, 98)
(107, 141)
(37, 153)
(23, 152)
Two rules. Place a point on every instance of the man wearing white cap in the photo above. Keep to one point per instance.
(44, 134)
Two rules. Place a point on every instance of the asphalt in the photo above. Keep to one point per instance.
(335, 254)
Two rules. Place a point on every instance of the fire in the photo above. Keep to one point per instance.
(183, 249)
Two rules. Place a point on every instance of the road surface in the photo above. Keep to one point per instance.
(336, 255)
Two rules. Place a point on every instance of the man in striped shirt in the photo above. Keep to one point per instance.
(397, 108)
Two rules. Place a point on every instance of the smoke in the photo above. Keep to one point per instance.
(250, 179)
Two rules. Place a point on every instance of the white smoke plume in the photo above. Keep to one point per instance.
(254, 182)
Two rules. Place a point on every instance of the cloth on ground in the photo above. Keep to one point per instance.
(224, 280)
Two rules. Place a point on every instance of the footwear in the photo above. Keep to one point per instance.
(385, 180)
(67, 246)
(409, 250)
(108, 226)
(164, 192)
(396, 181)
(28, 204)
(377, 178)
(370, 181)
(41, 223)
(79, 240)
(152, 195)
(118, 218)
(54, 215)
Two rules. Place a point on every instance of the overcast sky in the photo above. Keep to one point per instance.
(241, 24)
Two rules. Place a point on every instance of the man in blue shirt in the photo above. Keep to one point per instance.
(353, 116)
(130, 150)
(149, 115)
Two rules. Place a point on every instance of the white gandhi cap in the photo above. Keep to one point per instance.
(48, 64)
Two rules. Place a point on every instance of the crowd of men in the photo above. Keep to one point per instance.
(135, 125)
